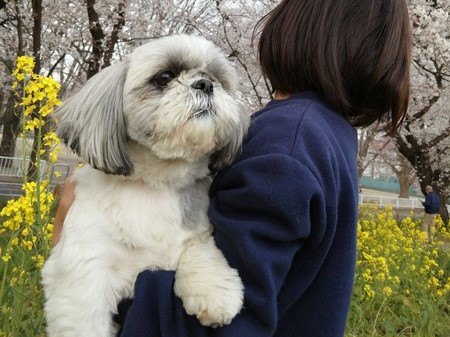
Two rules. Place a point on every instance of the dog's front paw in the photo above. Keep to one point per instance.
(214, 300)
(209, 287)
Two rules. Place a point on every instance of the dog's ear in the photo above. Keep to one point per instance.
(226, 155)
(92, 123)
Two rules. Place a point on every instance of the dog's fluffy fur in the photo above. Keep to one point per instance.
(142, 202)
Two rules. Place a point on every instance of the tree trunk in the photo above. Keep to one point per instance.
(111, 41)
(443, 209)
(97, 39)
(405, 183)
(10, 128)
(11, 120)
(37, 31)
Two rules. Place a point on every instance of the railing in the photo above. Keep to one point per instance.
(14, 167)
(397, 203)
(11, 172)
(383, 201)
(10, 167)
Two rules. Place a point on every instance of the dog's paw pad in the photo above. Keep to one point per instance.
(209, 314)
(219, 318)
(213, 310)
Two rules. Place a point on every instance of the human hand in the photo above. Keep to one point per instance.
(66, 199)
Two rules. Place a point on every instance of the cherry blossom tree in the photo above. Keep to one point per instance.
(400, 167)
(425, 137)
(13, 24)
(237, 34)
(78, 38)
(371, 144)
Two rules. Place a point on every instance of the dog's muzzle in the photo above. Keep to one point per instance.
(204, 85)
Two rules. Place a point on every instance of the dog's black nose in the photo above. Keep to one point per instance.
(204, 85)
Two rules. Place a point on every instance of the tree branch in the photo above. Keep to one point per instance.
(235, 53)
(439, 138)
(56, 64)
(19, 30)
(423, 111)
(114, 37)
(37, 32)
(97, 39)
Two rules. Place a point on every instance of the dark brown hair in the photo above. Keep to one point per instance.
(354, 53)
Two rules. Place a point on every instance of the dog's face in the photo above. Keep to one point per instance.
(177, 97)
(173, 95)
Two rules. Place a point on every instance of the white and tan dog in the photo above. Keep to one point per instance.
(148, 127)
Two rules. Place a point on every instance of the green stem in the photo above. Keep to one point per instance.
(5, 272)
(24, 140)
(19, 315)
(38, 171)
(376, 318)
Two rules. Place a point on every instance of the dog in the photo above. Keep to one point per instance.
(151, 128)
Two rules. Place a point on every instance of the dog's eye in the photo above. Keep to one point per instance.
(164, 78)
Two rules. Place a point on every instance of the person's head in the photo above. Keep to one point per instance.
(354, 53)
(429, 189)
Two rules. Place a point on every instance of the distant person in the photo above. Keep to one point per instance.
(432, 205)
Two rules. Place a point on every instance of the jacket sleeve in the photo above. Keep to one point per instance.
(428, 200)
(260, 208)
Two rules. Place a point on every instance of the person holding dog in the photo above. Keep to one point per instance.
(285, 211)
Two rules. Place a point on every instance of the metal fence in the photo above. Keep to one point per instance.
(14, 167)
(11, 173)
(397, 203)
(383, 201)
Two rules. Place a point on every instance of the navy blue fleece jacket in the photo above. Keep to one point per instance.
(432, 203)
(285, 216)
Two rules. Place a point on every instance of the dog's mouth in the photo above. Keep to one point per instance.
(203, 113)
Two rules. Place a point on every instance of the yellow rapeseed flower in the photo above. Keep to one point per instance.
(387, 291)
(6, 257)
(396, 258)
(369, 292)
(25, 64)
(27, 220)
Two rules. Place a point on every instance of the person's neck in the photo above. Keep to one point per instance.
(280, 96)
